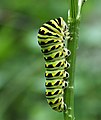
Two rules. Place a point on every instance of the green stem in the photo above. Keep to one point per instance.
(74, 20)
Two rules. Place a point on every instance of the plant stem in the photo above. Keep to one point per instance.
(74, 20)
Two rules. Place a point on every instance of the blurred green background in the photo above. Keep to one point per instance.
(22, 65)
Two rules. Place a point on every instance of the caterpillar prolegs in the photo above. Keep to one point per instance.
(52, 37)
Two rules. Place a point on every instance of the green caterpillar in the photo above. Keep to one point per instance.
(52, 37)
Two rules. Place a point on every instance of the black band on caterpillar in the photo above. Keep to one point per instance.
(52, 37)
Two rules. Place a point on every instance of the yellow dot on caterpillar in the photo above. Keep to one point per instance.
(60, 82)
(46, 93)
(46, 74)
(46, 83)
(52, 93)
(52, 83)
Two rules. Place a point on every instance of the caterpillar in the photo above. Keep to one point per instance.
(52, 37)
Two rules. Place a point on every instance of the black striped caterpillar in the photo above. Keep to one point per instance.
(52, 37)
